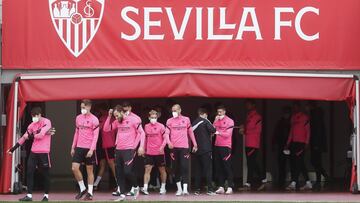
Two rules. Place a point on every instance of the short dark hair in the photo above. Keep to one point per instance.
(36, 111)
(202, 111)
(153, 111)
(119, 108)
(126, 104)
(221, 107)
(86, 102)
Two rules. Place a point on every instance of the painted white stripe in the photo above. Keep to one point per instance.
(76, 39)
(169, 72)
(68, 33)
(92, 26)
(84, 33)
(61, 25)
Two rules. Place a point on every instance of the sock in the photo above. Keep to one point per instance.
(132, 190)
(163, 186)
(82, 186)
(178, 184)
(90, 190)
(29, 195)
(185, 188)
(145, 187)
(46, 195)
(97, 181)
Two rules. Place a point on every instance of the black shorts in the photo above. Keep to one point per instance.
(107, 153)
(100, 153)
(155, 160)
(42, 160)
(80, 156)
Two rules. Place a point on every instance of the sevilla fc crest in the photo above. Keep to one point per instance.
(76, 22)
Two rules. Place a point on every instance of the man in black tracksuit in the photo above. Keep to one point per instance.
(203, 130)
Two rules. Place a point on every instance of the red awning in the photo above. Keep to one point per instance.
(181, 83)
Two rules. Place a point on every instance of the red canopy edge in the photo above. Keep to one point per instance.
(178, 83)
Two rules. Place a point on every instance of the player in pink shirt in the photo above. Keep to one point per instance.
(222, 151)
(105, 151)
(252, 132)
(40, 132)
(298, 139)
(178, 129)
(83, 147)
(129, 133)
(155, 142)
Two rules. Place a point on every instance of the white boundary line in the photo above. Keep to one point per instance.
(171, 72)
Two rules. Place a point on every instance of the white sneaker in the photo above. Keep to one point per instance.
(179, 193)
(307, 186)
(211, 193)
(291, 186)
(185, 193)
(121, 198)
(145, 192)
(162, 191)
(220, 190)
(229, 191)
(116, 193)
(136, 192)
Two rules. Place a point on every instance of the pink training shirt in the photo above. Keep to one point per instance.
(253, 129)
(42, 140)
(300, 128)
(178, 129)
(155, 138)
(225, 127)
(108, 138)
(86, 132)
(129, 132)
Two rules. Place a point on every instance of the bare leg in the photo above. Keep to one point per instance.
(162, 171)
(112, 167)
(90, 172)
(75, 167)
(148, 169)
(102, 167)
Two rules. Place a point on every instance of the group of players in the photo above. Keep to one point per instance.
(123, 138)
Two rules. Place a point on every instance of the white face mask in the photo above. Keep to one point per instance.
(175, 114)
(83, 111)
(35, 119)
(153, 120)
